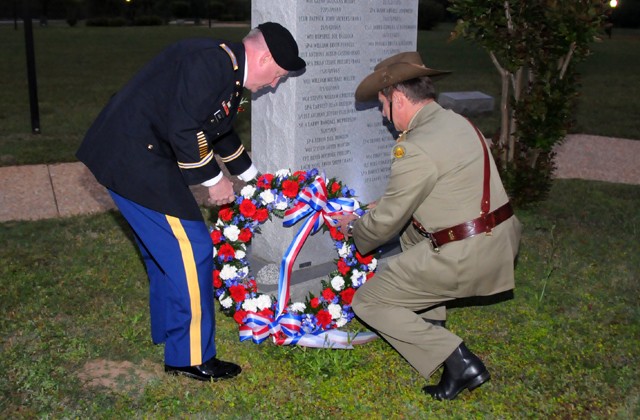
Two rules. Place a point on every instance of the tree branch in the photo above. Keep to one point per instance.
(507, 13)
(567, 59)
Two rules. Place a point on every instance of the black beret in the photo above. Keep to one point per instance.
(282, 46)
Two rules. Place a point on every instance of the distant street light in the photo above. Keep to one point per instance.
(613, 3)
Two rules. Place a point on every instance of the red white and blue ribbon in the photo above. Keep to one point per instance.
(314, 204)
(286, 330)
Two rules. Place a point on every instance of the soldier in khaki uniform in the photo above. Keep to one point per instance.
(459, 236)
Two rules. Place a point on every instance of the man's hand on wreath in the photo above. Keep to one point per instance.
(222, 192)
(345, 223)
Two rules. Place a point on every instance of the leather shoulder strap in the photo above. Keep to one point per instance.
(485, 205)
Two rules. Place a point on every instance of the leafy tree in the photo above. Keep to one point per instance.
(535, 46)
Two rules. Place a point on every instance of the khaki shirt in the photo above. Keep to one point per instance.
(437, 177)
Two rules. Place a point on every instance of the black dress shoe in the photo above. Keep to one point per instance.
(462, 370)
(212, 369)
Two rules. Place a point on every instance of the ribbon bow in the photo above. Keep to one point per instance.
(259, 327)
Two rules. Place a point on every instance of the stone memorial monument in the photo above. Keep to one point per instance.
(312, 121)
(467, 103)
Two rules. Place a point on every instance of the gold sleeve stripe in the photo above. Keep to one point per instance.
(195, 165)
(233, 156)
(232, 56)
(203, 147)
(191, 271)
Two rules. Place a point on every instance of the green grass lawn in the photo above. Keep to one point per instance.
(79, 68)
(74, 299)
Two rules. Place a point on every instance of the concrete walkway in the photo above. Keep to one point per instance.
(34, 192)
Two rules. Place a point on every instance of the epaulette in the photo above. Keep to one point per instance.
(403, 135)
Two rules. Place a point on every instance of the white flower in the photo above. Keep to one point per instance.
(282, 204)
(373, 264)
(215, 251)
(243, 272)
(226, 302)
(283, 173)
(228, 272)
(247, 191)
(267, 197)
(297, 307)
(337, 283)
(264, 301)
(219, 223)
(358, 277)
(250, 305)
(240, 254)
(341, 322)
(335, 310)
(231, 233)
(344, 250)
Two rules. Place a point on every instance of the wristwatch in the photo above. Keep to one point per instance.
(350, 227)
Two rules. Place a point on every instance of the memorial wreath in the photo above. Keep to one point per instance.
(300, 196)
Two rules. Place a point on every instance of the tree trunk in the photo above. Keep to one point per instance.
(504, 139)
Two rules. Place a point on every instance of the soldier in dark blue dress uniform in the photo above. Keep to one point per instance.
(156, 137)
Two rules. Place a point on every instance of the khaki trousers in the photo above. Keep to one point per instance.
(396, 302)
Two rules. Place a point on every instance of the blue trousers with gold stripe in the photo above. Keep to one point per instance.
(178, 256)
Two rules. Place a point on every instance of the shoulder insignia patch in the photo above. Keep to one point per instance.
(398, 151)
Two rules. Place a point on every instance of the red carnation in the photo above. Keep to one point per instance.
(247, 208)
(314, 302)
(343, 267)
(290, 188)
(267, 313)
(265, 181)
(252, 286)
(245, 235)
(237, 293)
(328, 294)
(347, 295)
(226, 213)
(336, 234)
(300, 175)
(217, 282)
(335, 187)
(262, 215)
(216, 236)
(239, 316)
(370, 274)
(364, 259)
(226, 252)
(324, 318)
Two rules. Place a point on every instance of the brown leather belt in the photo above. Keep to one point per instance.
(482, 224)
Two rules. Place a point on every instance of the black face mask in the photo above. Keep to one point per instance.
(388, 122)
